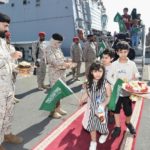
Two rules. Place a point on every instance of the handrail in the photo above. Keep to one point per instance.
(143, 45)
(147, 46)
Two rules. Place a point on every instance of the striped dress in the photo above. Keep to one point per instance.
(90, 120)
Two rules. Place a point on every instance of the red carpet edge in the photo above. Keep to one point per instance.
(127, 142)
(55, 133)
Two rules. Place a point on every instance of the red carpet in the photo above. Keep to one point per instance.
(74, 137)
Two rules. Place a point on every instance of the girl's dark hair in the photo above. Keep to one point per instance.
(95, 66)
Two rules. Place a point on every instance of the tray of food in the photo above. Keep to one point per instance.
(24, 68)
(137, 87)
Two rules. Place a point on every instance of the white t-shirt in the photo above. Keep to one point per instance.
(125, 71)
(108, 73)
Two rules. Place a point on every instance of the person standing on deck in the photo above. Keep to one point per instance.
(6, 86)
(56, 68)
(39, 57)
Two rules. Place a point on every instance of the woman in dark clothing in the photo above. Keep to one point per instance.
(134, 14)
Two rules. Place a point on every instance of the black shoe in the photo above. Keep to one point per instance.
(131, 128)
(116, 132)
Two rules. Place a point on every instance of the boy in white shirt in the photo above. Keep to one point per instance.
(107, 58)
(126, 70)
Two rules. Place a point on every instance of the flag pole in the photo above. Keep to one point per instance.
(70, 90)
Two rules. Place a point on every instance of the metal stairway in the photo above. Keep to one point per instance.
(139, 63)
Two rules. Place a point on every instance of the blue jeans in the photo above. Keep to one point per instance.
(135, 40)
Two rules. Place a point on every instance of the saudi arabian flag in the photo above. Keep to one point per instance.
(115, 94)
(57, 92)
(102, 47)
(117, 17)
(122, 27)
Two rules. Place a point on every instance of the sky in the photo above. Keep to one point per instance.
(114, 6)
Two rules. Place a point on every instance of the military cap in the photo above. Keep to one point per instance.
(42, 33)
(75, 38)
(4, 18)
(57, 37)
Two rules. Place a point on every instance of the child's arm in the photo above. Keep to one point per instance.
(135, 75)
(108, 94)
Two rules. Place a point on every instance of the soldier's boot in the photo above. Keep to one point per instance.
(55, 115)
(61, 111)
(16, 100)
(73, 72)
(45, 86)
(40, 88)
(2, 148)
(76, 77)
(14, 139)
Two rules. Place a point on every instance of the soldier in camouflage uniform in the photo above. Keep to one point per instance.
(56, 67)
(148, 41)
(76, 55)
(6, 86)
(11, 49)
(89, 52)
(38, 54)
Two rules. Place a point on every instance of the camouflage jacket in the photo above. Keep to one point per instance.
(6, 68)
(89, 52)
(55, 60)
(38, 51)
(76, 52)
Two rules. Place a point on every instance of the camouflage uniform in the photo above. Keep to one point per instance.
(41, 58)
(76, 55)
(55, 60)
(89, 51)
(11, 50)
(6, 91)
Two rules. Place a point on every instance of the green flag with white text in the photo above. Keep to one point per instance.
(122, 27)
(115, 94)
(102, 47)
(117, 17)
(57, 92)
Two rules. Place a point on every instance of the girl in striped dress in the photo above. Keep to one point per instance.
(97, 93)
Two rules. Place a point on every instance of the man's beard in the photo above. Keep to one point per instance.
(43, 39)
(2, 34)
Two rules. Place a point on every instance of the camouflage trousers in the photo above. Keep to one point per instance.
(76, 70)
(55, 74)
(87, 67)
(41, 72)
(6, 113)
